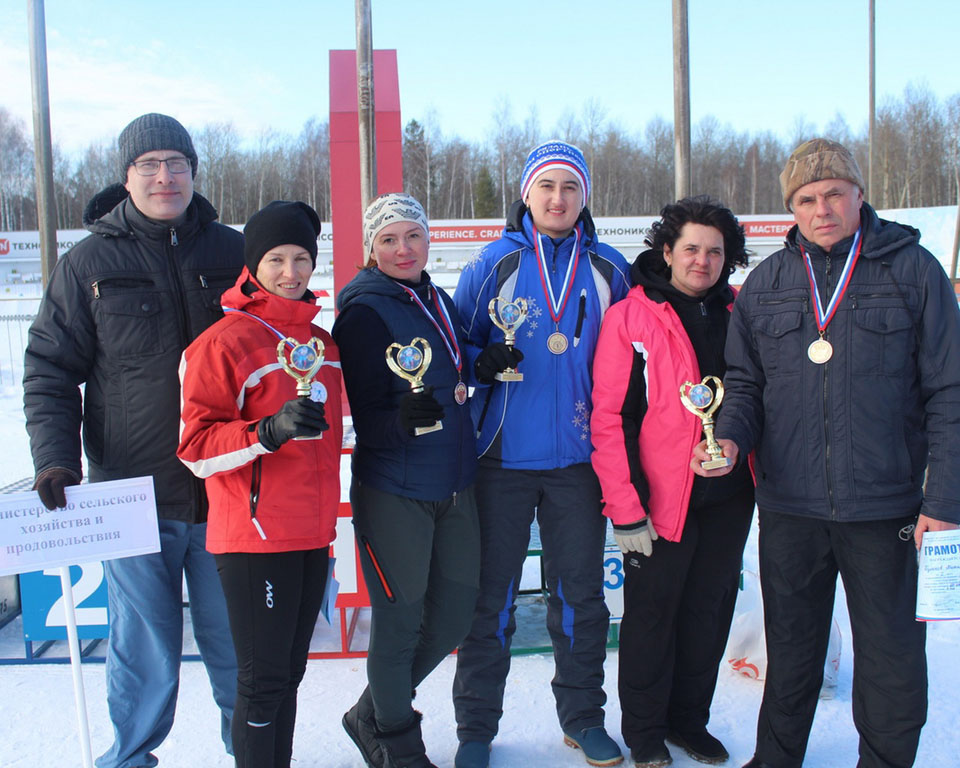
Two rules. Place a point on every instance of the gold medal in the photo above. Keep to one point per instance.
(557, 343)
(820, 351)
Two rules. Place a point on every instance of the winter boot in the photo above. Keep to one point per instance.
(361, 727)
(701, 746)
(598, 748)
(472, 754)
(404, 748)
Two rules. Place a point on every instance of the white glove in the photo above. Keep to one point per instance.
(636, 537)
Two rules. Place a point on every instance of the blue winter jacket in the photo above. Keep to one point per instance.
(375, 311)
(542, 422)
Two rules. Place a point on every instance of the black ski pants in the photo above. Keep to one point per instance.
(572, 530)
(273, 600)
(799, 561)
(677, 609)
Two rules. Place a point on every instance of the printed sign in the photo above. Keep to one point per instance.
(613, 581)
(44, 615)
(102, 521)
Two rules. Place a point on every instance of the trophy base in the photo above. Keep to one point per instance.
(509, 375)
(723, 461)
(426, 430)
(310, 437)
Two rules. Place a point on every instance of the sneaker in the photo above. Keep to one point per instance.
(701, 746)
(657, 757)
(598, 748)
(472, 754)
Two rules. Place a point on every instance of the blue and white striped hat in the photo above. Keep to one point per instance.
(551, 155)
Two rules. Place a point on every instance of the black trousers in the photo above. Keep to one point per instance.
(273, 600)
(678, 606)
(799, 561)
(421, 564)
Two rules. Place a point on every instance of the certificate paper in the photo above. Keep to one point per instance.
(938, 583)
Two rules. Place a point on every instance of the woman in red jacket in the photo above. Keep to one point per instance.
(271, 461)
(682, 536)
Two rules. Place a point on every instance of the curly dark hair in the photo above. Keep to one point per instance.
(709, 212)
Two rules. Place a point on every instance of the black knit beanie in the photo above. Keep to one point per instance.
(280, 223)
(152, 132)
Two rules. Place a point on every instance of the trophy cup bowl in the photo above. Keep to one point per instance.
(700, 400)
(508, 316)
(302, 362)
(410, 362)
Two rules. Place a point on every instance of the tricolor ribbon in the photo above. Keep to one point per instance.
(556, 305)
(449, 337)
(824, 316)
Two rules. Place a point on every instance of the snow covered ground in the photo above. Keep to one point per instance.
(38, 721)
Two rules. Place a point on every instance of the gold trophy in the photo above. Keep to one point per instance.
(700, 399)
(508, 316)
(410, 362)
(303, 363)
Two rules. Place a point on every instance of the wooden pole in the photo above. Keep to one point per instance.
(956, 242)
(871, 139)
(681, 100)
(366, 104)
(42, 144)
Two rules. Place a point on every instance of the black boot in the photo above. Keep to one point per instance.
(361, 727)
(404, 748)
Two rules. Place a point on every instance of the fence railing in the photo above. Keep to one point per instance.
(16, 315)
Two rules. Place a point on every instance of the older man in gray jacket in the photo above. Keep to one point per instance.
(843, 376)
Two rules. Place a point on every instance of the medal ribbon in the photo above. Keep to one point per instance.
(557, 305)
(449, 337)
(824, 316)
(263, 323)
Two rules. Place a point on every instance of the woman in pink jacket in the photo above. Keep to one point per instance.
(682, 536)
(271, 461)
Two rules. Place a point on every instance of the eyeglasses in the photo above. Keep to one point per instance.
(152, 167)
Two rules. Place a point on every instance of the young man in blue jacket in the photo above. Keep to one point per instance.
(843, 375)
(534, 448)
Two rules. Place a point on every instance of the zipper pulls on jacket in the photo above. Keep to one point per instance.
(173, 236)
(703, 309)
(96, 289)
(203, 282)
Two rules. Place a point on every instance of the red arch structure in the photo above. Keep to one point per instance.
(346, 205)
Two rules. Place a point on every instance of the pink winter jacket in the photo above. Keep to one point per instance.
(643, 356)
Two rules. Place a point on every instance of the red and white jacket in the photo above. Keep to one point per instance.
(231, 378)
(643, 356)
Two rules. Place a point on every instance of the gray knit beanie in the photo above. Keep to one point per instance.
(152, 132)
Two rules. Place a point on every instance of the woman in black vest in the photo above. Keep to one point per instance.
(412, 489)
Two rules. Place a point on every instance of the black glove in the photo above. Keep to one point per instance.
(419, 409)
(495, 359)
(50, 484)
(302, 417)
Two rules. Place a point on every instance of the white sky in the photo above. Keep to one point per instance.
(754, 65)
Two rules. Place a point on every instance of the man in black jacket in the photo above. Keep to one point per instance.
(843, 375)
(120, 308)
